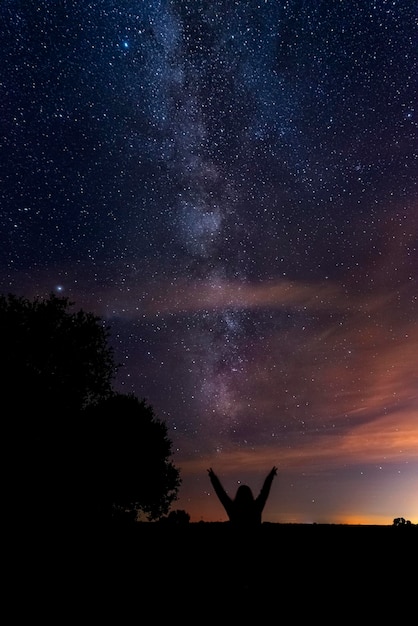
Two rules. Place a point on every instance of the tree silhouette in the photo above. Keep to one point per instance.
(75, 448)
(131, 451)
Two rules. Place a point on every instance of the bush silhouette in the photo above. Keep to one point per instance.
(401, 521)
(178, 517)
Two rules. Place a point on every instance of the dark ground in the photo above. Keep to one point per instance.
(206, 574)
(332, 573)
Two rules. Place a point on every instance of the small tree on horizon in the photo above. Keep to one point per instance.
(401, 521)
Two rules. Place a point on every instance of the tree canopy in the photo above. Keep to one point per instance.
(55, 361)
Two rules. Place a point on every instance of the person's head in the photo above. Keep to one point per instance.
(244, 495)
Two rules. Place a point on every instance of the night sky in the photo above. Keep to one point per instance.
(233, 187)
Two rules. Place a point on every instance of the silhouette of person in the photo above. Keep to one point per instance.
(244, 511)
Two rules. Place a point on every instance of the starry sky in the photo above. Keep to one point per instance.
(233, 187)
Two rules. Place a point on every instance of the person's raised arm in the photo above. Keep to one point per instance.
(219, 490)
(265, 489)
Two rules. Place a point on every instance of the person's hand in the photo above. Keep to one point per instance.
(211, 472)
(274, 470)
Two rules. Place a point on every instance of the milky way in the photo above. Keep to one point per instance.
(232, 186)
